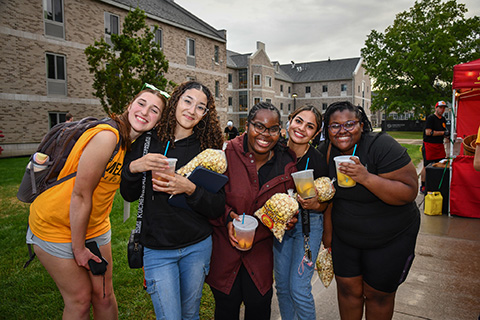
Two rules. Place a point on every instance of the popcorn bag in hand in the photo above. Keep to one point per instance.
(211, 159)
(325, 267)
(325, 188)
(277, 211)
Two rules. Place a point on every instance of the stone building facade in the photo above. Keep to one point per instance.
(44, 69)
(292, 85)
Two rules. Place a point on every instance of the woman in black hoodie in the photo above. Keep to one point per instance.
(177, 241)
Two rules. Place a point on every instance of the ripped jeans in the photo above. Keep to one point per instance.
(175, 279)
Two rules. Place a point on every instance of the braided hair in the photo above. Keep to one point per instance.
(208, 130)
(262, 106)
(346, 105)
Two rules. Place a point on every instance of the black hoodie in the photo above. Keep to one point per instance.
(164, 226)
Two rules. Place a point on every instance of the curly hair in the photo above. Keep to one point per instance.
(346, 105)
(208, 130)
(124, 126)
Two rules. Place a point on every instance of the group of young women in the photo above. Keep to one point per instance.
(375, 223)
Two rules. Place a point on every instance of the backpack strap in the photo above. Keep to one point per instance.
(141, 201)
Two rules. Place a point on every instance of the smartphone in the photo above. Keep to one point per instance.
(97, 268)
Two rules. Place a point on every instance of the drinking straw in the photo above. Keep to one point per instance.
(306, 167)
(168, 144)
(243, 218)
(354, 149)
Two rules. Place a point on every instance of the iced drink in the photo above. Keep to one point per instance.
(304, 183)
(245, 232)
(342, 179)
(170, 170)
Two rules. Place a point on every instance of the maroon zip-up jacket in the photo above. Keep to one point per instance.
(242, 194)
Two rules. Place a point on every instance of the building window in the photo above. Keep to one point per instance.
(56, 118)
(307, 89)
(53, 18)
(111, 26)
(216, 54)
(256, 80)
(324, 106)
(242, 79)
(281, 88)
(343, 87)
(268, 100)
(229, 78)
(242, 101)
(268, 81)
(56, 74)
(159, 38)
(324, 88)
(230, 101)
(289, 90)
(217, 89)
(281, 106)
(190, 52)
(289, 107)
(256, 100)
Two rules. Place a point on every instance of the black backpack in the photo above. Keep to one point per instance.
(57, 145)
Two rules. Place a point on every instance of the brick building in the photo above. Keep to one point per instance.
(254, 77)
(45, 73)
(44, 69)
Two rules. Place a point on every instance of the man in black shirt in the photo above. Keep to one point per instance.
(435, 131)
(230, 131)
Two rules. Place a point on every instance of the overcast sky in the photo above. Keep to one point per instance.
(302, 30)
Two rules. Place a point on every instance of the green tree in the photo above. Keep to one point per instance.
(120, 70)
(412, 62)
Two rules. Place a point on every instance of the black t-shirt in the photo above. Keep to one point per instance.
(317, 162)
(232, 133)
(436, 124)
(359, 217)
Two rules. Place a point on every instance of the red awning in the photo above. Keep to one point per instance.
(466, 75)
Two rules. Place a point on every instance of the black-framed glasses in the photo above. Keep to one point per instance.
(348, 126)
(260, 128)
(152, 87)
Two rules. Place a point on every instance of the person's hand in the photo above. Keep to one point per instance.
(356, 171)
(149, 162)
(172, 184)
(292, 222)
(82, 255)
(231, 229)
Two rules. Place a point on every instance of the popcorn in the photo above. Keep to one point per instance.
(276, 213)
(211, 159)
(325, 188)
(324, 266)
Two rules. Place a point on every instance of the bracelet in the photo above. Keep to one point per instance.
(431, 133)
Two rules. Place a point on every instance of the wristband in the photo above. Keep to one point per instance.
(431, 133)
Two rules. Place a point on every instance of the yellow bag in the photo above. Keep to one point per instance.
(433, 203)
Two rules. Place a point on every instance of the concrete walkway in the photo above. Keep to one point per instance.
(444, 281)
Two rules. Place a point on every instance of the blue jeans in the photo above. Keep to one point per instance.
(292, 276)
(175, 279)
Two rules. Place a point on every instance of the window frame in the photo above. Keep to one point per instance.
(191, 51)
(216, 54)
(53, 27)
(156, 39)
(257, 80)
(108, 35)
(54, 83)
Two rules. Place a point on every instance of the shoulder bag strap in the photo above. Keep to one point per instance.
(141, 201)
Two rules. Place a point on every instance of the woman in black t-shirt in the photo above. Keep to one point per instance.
(376, 222)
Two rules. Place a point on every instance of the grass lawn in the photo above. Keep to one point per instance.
(406, 134)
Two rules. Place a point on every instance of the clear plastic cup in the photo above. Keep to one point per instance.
(304, 183)
(172, 162)
(245, 232)
(343, 180)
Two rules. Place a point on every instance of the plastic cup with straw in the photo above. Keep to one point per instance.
(344, 180)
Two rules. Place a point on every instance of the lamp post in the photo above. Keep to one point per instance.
(386, 113)
(294, 95)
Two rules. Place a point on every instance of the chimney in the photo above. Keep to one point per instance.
(260, 45)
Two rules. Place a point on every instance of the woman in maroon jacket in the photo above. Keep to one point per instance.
(258, 167)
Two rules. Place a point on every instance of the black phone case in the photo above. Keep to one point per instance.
(96, 267)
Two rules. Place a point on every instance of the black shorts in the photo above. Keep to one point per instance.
(383, 268)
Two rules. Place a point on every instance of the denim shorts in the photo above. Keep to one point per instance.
(64, 250)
